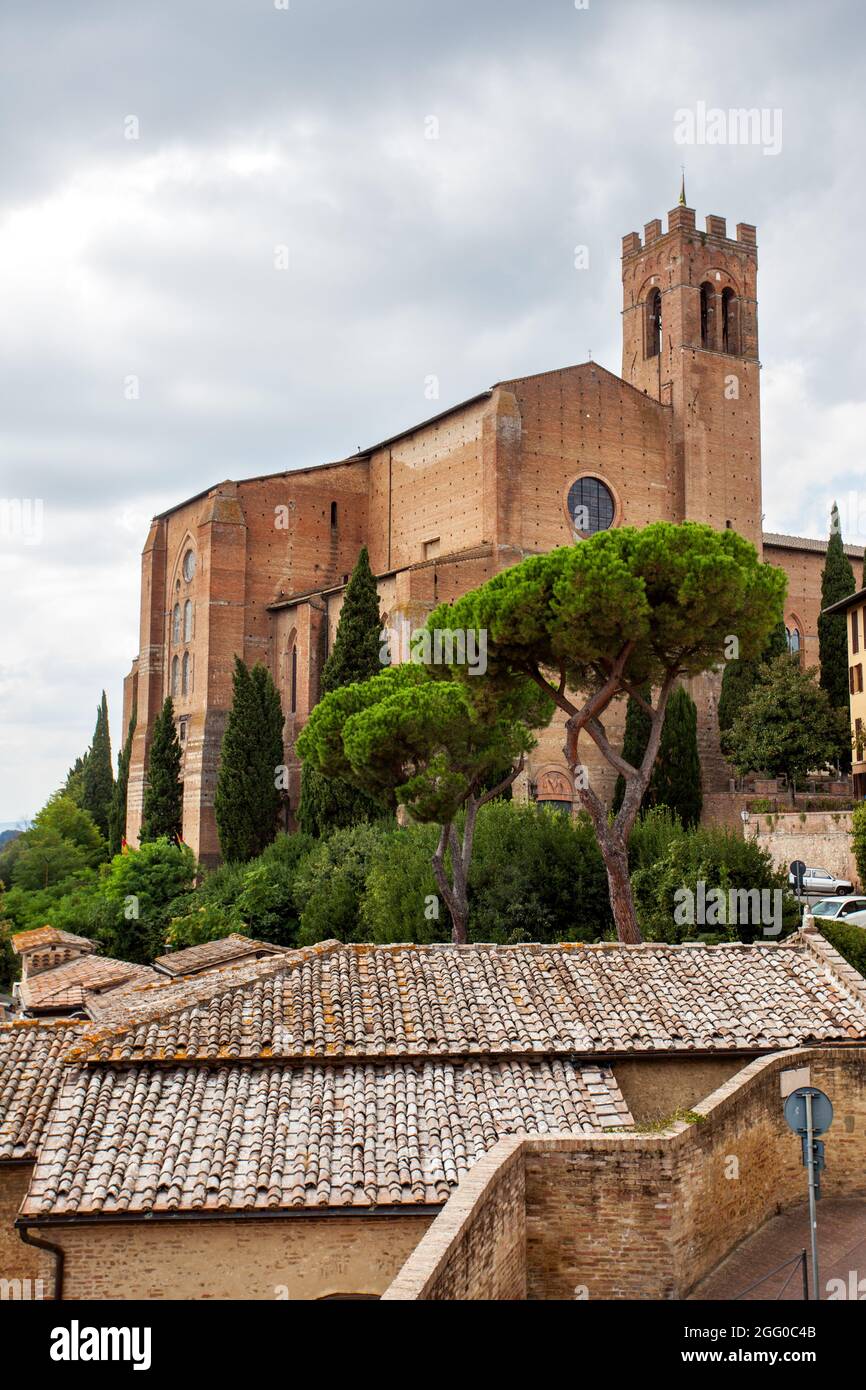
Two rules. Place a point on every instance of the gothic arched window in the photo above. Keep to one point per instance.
(706, 315)
(184, 684)
(730, 322)
(293, 680)
(794, 638)
(653, 323)
(175, 665)
(187, 620)
(175, 623)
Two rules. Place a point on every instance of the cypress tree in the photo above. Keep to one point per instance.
(676, 777)
(326, 802)
(637, 727)
(163, 796)
(247, 796)
(98, 778)
(837, 582)
(742, 676)
(117, 819)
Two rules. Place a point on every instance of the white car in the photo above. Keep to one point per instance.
(851, 910)
(821, 881)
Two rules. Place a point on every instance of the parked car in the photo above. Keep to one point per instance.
(851, 910)
(822, 882)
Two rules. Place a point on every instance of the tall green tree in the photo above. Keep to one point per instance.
(74, 784)
(624, 609)
(431, 744)
(251, 766)
(162, 815)
(837, 582)
(329, 803)
(676, 777)
(787, 726)
(98, 777)
(117, 819)
(742, 675)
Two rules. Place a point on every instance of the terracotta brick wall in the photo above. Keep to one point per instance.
(294, 1258)
(628, 1216)
(17, 1260)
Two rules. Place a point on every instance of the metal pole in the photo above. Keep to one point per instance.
(805, 1275)
(813, 1219)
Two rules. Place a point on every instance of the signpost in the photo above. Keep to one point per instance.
(809, 1113)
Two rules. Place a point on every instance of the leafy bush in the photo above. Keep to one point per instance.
(401, 901)
(858, 839)
(331, 880)
(720, 858)
(848, 939)
(137, 891)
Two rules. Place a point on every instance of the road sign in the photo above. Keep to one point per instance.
(795, 1110)
(798, 868)
(809, 1112)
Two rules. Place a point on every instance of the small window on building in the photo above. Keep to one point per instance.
(855, 631)
(653, 323)
(175, 623)
(431, 548)
(293, 682)
(185, 675)
(181, 730)
(794, 640)
(189, 565)
(175, 667)
(187, 621)
(333, 513)
(730, 322)
(706, 315)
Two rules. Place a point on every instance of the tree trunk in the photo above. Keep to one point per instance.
(454, 895)
(619, 887)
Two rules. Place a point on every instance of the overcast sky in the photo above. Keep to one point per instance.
(309, 128)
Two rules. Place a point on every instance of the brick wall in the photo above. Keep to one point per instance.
(17, 1260)
(294, 1258)
(627, 1216)
(475, 1249)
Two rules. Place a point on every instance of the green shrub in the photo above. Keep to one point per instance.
(401, 900)
(330, 883)
(848, 939)
(720, 858)
(858, 839)
(138, 890)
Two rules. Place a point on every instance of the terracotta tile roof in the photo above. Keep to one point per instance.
(40, 937)
(783, 542)
(211, 953)
(242, 1137)
(31, 1065)
(403, 1001)
(68, 987)
(160, 996)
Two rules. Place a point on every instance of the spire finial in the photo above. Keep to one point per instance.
(683, 187)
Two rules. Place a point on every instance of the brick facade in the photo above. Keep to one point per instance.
(454, 500)
(626, 1216)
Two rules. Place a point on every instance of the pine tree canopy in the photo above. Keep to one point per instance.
(837, 582)
(247, 795)
(328, 803)
(117, 819)
(163, 797)
(98, 777)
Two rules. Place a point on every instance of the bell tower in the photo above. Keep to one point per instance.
(690, 340)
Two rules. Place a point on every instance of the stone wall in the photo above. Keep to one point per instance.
(644, 1216)
(820, 838)
(295, 1257)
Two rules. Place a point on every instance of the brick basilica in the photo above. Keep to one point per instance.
(258, 567)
